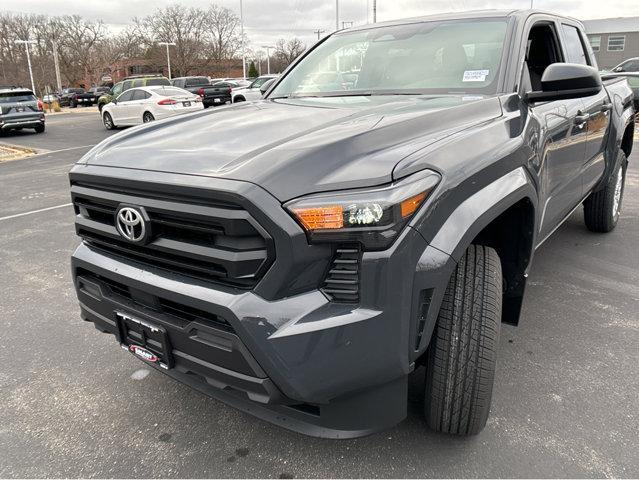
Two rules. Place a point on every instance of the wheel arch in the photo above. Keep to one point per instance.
(627, 139)
(503, 216)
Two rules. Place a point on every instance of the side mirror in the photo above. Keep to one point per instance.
(562, 81)
(266, 85)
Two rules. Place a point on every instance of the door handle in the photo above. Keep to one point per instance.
(581, 118)
(606, 107)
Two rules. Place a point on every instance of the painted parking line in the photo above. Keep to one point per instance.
(17, 215)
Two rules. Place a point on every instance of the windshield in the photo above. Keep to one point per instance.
(429, 57)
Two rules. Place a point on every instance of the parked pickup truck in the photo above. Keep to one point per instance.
(88, 98)
(210, 94)
(301, 272)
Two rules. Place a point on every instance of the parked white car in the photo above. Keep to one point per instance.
(252, 91)
(145, 104)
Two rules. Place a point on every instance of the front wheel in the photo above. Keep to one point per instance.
(39, 129)
(462, 354)
(602, 208)
(147, 117)
(108, 121)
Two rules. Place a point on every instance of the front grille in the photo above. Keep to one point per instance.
(342, 281)
(206, 238)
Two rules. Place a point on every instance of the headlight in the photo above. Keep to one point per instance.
(373, 217)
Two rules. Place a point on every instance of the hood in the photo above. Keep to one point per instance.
(293, 147)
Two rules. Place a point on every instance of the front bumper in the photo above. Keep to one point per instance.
(295, 359)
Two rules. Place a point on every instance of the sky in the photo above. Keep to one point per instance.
(267, 20)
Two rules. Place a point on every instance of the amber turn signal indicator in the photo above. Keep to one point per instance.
(318, 218)
(411, 204)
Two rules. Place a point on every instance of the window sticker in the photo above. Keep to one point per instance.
(475, 75)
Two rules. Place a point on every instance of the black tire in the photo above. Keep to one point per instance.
(108, 121)
(461, 357)
(73, 104)
(147, 117)
(602, 208)
(39, 129)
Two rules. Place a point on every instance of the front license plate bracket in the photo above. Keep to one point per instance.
(145, 340)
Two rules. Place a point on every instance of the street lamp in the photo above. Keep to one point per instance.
(268, 58)
(242, 35)
(26, 44)
(168, 57)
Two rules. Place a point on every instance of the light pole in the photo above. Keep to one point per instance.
(168, 57)
(26, 44)
(268, 58)
(56, 64)
(242, 35)
(336, 15)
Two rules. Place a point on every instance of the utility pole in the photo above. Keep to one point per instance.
(268, 58)
(318, 32)
(336, 15)
(242, 34)
(374, 11)
(56, 65)
(168, 57)
(26, 44)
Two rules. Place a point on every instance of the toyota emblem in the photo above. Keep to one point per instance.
(131, 224)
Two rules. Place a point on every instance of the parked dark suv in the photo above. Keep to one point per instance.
(19, 108)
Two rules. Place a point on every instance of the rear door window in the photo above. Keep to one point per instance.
(157, 81)
(139, 95)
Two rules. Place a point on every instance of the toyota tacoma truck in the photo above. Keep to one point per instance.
(303, 271)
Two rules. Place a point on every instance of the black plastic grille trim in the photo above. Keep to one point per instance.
(178, 313)
(342, 280)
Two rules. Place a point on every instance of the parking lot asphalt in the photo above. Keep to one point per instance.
(72, 403)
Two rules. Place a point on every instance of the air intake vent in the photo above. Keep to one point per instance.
(342, 282)
(424, 304)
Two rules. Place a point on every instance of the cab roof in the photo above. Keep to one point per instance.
(521, 14)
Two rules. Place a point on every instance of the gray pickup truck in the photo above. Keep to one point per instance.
(302, 271)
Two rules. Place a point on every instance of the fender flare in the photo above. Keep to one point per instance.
(470, 218)
(480, 209)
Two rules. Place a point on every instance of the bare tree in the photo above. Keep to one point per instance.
(287, 51)
(78, 43)
(224, 32)
(186, 27)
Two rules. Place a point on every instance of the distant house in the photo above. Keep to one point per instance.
(613, 39)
